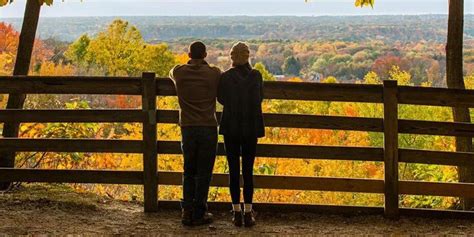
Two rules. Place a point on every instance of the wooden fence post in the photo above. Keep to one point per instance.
(390, 121)
(150, 152)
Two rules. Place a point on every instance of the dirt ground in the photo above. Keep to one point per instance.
(56, 210)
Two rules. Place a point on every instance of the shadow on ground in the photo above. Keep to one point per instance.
(57, 210)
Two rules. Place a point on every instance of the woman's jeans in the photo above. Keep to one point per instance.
(236, 147)
(199, 146)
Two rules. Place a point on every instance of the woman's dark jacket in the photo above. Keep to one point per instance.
(241, 93)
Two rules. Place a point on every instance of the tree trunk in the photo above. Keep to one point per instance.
(455, 79)
(22, 65)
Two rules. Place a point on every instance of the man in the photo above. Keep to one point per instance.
(196, 85)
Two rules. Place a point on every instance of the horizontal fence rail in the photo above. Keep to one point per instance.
(295, 151)
(70, 85)
(72, 116)
(71, 145)
(305, 91)
(271, 120)
(72, 176)
(436, 157)
(221, 180)
(273, 90)
(300, 121)
(388, 95)
(435, 96)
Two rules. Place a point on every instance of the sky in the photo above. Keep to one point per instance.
(231, 7)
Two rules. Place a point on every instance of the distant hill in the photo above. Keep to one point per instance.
(390, 28)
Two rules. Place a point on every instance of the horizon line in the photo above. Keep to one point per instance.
(327, 15)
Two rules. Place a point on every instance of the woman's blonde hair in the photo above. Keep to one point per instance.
(240, 54)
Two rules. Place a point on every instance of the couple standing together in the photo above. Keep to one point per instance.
(240, 91)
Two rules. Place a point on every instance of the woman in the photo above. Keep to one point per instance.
(241, 94)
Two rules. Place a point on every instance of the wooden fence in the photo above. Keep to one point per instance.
(388, 94)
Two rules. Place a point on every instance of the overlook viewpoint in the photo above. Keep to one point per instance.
(368, 119)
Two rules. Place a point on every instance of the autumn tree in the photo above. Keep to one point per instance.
(120, 51)
(6, 62)
(52, 69)
(8, 39)
(384, 64)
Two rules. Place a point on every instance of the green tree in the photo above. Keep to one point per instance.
(116, 51)
(291, 66)
(77, 51)
(266, 75)
(158, 59)
(120, 51)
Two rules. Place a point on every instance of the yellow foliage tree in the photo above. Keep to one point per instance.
(403, 77)
(52, 69)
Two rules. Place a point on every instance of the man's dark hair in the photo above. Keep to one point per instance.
(197, 50)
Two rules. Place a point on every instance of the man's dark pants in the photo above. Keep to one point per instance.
(199, 145)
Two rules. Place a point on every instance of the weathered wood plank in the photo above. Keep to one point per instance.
(71, 176)
(274, 90)
(323, 92)
(435, 96)
(436, 157)
(295, 151)
(70, 145)
(436, 128)
(437, 189)
(165, 87)
(271, 120)
(289, 208)
(289, 182)
(70, 85)
(440, 214)
(324, 122)
(173, 147)
(391, 149)
(304, 91)
(71, 116)
(334, 210)
(300, 121)
(264, 150)
(150, 153)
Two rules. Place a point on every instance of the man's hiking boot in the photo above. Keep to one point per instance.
(187, 217)
(204, 220)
